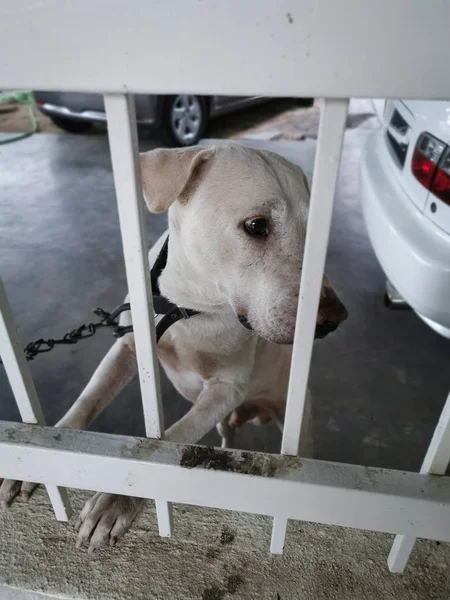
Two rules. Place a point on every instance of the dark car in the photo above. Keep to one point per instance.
(182, 118)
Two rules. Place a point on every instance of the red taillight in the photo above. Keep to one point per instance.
(440, 186)
(39, 103)
(423, 168)
(431, 165)
(426, 156)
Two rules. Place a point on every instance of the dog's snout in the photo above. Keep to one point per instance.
(331, 313)
(323, 329)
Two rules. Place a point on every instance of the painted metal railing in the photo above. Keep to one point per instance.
(314, 48)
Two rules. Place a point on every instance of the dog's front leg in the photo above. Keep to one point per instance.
(227, 432)
(106, 517)
(217, 400)
(114, 372)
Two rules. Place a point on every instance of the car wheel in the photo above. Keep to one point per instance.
(304, 102)
(183, 119)
(72, 125)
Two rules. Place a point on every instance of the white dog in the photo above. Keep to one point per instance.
(237, 225)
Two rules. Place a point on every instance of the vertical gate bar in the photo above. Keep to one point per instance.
(328, 156)
(435, 462)
(22, 385)
(278, 535)
(165, 520)
(326, 169)
(123, 143)
(124, 154)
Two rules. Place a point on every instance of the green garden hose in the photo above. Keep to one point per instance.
(21, 98)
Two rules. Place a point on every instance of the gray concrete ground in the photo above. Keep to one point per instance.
(378, 387)
(214, 555)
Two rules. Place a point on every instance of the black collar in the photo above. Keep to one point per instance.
(172, 313)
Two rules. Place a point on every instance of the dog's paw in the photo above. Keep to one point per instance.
(105, 518)
(10, 489)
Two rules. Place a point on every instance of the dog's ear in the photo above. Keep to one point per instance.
(169, 175)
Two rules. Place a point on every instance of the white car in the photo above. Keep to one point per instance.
(405, 190)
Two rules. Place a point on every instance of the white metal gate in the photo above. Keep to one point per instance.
(318, 48)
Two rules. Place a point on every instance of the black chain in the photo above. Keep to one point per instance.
(172, 313)
(81, 333)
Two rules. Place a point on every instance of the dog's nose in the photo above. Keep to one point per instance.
(331, 313)
(324, 329)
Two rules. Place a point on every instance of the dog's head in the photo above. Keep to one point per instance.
(238, 223)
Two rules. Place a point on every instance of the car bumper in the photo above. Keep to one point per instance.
(94, 116)
(413, 252)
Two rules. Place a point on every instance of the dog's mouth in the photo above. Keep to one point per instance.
(322, 329)
(244, 321)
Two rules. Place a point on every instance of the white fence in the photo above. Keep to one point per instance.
(320, 48)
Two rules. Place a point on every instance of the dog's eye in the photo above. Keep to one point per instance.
(257, 226)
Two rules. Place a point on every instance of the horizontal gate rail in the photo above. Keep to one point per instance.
(323, 492)
(309, 48)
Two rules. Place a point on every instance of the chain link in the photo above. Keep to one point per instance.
(172, 313)
(81, 333)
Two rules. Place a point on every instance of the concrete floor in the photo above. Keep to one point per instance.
(214, 555)
(378, 384)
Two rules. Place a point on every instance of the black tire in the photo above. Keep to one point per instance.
(170, 135)
(305, 102)
(386, 301)
(72, 125)
(392, 305)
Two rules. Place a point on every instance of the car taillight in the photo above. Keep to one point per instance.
(431, 165)
(440, 186)
(426, 156)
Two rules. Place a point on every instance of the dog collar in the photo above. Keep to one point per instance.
(172, 312)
